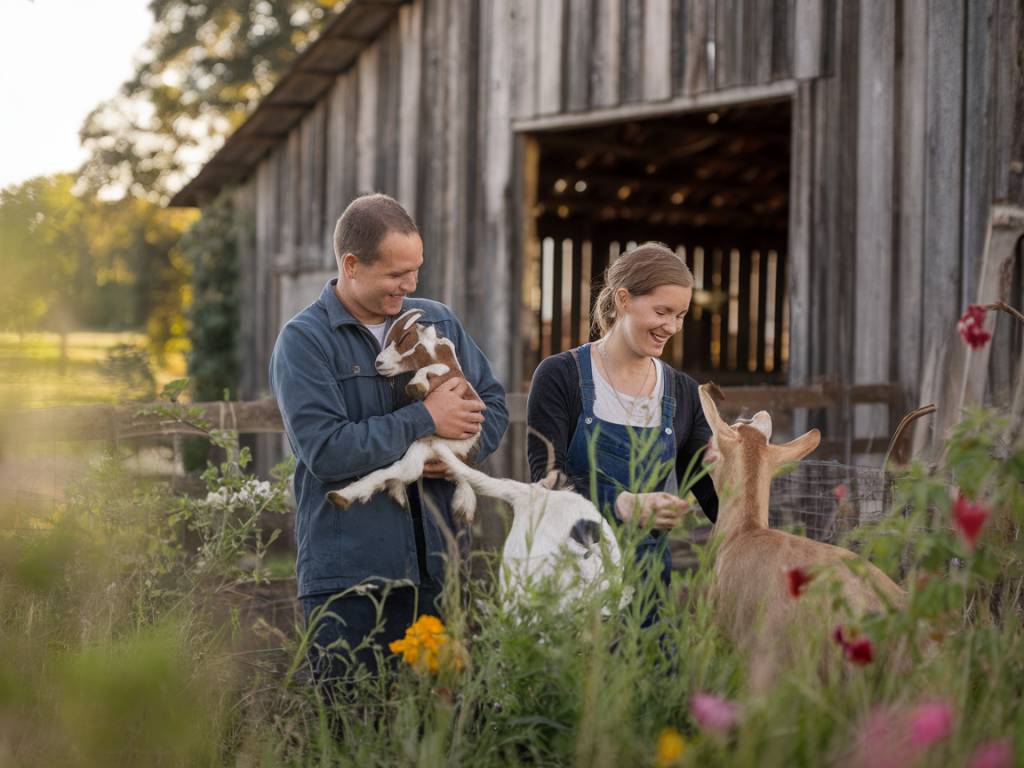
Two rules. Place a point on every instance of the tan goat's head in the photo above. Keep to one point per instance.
(741, 454)
(412, 346)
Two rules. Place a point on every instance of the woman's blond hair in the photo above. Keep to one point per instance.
(639, 271)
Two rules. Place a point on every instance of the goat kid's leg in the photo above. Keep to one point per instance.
(464, 500)
(404, 471)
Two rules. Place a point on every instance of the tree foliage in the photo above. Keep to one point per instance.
(206, 66)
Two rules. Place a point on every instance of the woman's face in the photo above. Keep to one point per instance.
(649, 321)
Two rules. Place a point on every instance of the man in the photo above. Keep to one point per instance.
(343, 421)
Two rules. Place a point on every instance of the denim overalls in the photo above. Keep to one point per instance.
(612, 447)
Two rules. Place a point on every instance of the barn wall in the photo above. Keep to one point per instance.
(907, 123)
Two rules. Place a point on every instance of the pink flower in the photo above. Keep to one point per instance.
(797, 580)
(857, 650)
(972, 327)
(994, 754)
(841, 491)
(969, 519)
(712, 713)
(930, 722)
(881, 742)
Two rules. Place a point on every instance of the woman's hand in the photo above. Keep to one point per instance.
(661, 511)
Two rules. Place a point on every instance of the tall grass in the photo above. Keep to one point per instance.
(113, 652)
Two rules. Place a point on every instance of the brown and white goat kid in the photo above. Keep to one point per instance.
(412, 346)
(752, 604)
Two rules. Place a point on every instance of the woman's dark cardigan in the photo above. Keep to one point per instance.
(554, 409)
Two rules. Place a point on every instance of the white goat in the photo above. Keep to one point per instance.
(556, 534)
(411, 346)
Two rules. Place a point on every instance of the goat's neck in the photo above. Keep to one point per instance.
(743, 504)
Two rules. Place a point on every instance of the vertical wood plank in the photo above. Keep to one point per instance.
(729, 50)
(551, 32)
(910, 235)
(657, 50)
(631, 42)
(800, 244)
(783, 19)
(410, 25)
(387, 119)
(1008, 117)
(525, 63)
(874, 235)
(292, 203)
(809, 38)
(697, 77)
(607, 53)
(431, 149)
(761, 41)
(580, 22)
(367, 69)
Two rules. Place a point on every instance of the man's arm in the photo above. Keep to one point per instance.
(477, 371)
(331, 445)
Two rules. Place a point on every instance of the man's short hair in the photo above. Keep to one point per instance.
(366, 222)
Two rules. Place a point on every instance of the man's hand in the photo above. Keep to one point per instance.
(437, 469)
(454, 418)
(662, 511)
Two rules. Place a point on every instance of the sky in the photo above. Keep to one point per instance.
(58, 60)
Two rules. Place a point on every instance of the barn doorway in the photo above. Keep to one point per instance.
(713, 185)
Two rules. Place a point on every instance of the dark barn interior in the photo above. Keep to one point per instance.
(713, 185)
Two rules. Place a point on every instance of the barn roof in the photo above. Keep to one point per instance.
(298, 91)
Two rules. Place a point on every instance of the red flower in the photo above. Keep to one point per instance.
(797, 580)
(969, 519)
(972, 327)
(857, 650)
(841, 491)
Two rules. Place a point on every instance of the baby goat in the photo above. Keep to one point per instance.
(749, 588)
(411, 346)
(555, 533)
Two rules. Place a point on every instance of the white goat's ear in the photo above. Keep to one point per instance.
(403, 324)
(794, 450)
(715, 421)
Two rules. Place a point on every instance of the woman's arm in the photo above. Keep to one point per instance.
(552, 410)
(692, 443)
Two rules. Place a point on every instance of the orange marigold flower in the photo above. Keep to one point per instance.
(427, 646)
(671, 746)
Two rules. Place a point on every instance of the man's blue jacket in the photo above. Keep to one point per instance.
(343, 421)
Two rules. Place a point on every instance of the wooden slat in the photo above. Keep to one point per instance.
(657, 50)
(388, 95)
(760, 40)
(874, 236)
(525, 62)
(551, 66)
(783, 16)
(367, 68)
(631, 42)
(697, 77)
(431, 149)
(606, 53)
(578, 54)
(1008, 109)
(410, 25)
(809, 38)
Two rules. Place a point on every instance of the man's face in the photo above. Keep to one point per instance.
(373, 292)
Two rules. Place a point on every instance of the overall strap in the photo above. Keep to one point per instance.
(668, 400)
(588, 393)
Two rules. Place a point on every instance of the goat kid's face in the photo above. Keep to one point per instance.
(411, 346)
(740, 454)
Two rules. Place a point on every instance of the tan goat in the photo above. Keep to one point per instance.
(749, 590)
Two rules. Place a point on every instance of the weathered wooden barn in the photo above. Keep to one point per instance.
(828, 168)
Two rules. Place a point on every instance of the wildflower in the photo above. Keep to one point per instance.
(857, 650)
(882, 742)
(712, 713)
(797, 579)
(841, 491)
(671, 746)
(930, 722)
(994, 754)
(969, 519)
(972, 327)
(427, 646)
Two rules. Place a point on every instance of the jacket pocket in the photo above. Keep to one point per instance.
(364, 393)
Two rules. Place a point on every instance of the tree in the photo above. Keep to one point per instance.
(206, 67)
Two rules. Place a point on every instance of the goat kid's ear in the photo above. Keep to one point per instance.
(715, 421)
(794, 450)
(762, 422)
(403, 324)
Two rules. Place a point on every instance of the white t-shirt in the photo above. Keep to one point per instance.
(378, 331)
(617, 408)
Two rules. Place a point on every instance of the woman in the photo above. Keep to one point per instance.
(614, 399)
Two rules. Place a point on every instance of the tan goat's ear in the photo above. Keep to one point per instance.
(718, 426)
(403, 324)
(762, 422)
(794, 450)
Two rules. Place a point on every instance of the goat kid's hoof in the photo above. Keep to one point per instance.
(416, 391)
(339, 500)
